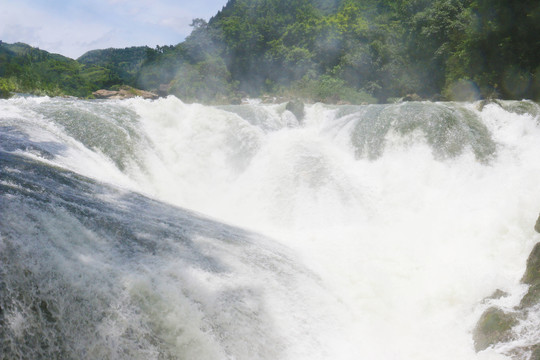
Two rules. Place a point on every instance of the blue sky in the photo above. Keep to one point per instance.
(72, 27)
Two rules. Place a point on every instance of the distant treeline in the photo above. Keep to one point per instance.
(321, 50)
(29, 70)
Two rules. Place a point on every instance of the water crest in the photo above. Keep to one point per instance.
(158, 229)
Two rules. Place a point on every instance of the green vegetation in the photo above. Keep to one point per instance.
(351, 51)
(121, 65)
(456, 49)
(29, 70)
(6, 88)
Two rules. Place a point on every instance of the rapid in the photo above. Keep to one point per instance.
(138, 229)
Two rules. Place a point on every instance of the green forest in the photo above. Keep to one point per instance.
(335, 51)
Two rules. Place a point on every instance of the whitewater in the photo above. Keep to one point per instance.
(139, 229)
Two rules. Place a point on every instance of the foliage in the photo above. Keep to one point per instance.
(6, 87)
(120, 65)
(324, 50)
(329, 89)
(382, 47)
(30, 70)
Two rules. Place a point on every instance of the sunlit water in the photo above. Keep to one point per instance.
(157, 229)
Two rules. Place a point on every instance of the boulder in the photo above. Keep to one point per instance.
(104, 94)
(493, 327)
(532, 275)
(532, 278)
(497, 294)
(531, 298)
(532, 272)
(535, 352)
(163, 89)
(297, 108)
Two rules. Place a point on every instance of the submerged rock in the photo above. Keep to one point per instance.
(493, 327)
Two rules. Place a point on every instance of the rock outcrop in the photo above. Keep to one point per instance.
(411, 97)
(532, 274)
(495, 325)
(532, 278)
(124, 92)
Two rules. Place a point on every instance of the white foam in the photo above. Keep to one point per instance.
(409, 244)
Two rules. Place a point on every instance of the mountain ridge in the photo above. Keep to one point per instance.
(348, 51)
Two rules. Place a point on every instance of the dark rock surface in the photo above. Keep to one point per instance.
(495, 325)
(297, 108)
(125, 92)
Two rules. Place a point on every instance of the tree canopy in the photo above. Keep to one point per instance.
(321, 50)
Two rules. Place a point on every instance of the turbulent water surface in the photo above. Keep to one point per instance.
(160, 230)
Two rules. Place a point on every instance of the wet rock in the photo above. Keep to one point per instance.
(411, 97)
(297, 108)
(437, 97)
(163, 89)
(482, 103)
(496, 295)
(493, 327)
(532, 278)
(532, 272)
(125, 92)
(532, 297)
(532, 275)
(536, 352)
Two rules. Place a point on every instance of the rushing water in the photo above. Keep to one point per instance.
(160, 230)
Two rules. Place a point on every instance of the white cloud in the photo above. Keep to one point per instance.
(15, 32)
(74, 27)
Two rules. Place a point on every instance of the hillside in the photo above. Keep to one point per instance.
(320, 50)
(124, 63)
(357, 51)
(386, 48)
(30, 70)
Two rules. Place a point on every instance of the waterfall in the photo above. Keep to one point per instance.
(141, 229)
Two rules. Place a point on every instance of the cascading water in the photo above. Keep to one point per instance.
(156, 229)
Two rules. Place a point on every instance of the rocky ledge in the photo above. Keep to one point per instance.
(497, 325)
(124, 92)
